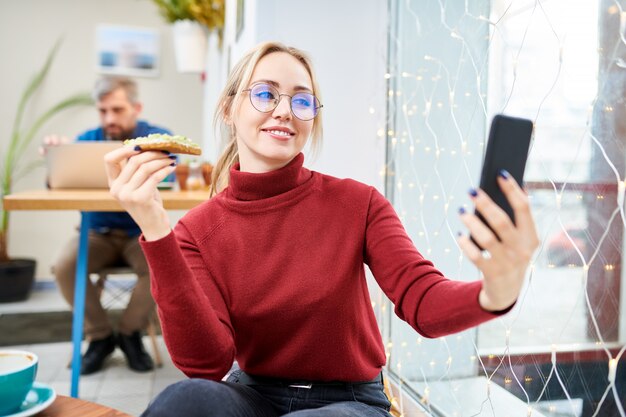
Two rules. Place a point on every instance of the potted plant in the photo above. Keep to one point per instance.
(17, 275)
(192, 20)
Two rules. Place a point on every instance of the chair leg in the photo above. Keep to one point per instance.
(152, 320)
(100, 283)
(158, 361)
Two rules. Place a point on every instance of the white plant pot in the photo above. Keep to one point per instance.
(190, 45)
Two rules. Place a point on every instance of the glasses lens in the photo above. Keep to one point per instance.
(304, 106)
(264, 97)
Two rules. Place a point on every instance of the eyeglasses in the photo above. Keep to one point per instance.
(265, 98)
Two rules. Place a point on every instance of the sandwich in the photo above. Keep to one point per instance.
(162, 142)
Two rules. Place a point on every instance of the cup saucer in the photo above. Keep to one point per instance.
(39, 398)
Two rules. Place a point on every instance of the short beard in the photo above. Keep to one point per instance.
(122, 136)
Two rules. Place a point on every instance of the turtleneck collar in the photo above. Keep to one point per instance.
(249, 186)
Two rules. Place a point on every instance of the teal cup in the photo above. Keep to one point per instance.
(18, 369)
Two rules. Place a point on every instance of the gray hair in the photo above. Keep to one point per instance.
(107, 85)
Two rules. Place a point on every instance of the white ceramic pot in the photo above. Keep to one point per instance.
(190, 46)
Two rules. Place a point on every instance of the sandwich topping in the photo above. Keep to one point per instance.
(176, 143)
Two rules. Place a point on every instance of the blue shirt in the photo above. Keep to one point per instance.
(104, 221)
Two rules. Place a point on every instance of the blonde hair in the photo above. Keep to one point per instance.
(230, 99)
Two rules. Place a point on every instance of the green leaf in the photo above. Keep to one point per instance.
(173, 10)
(33, 85)
(22, 137)
(30, 89)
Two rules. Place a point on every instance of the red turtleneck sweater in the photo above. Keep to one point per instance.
(271, 272)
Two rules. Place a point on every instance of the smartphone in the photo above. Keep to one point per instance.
(507, 149)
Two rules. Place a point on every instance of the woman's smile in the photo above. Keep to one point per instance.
(279, 132)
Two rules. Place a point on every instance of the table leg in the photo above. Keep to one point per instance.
(79, 300)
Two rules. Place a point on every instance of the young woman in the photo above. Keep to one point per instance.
(270, 271)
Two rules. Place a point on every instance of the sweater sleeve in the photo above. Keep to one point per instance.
(432, 304)
(196, 325)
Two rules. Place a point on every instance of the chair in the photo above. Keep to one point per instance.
(115, 291)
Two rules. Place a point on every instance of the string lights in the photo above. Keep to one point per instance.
(452, 69)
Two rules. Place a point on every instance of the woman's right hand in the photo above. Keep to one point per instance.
(133, 178)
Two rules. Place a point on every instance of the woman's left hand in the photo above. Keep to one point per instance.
(504, 268)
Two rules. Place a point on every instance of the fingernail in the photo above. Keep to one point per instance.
(504, 174)
(166, 152)
(137, 148)
(473, 192)
(173, 164)
(461, 210)
(172, 157)
(459, 234)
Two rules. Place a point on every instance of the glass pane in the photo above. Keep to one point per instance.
(562, 64)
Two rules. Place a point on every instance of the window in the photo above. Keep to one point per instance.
(452, 66)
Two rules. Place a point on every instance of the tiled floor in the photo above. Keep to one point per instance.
(116, 386)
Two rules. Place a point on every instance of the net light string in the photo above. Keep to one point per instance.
(613, 361)
(410, 111)
(404, 181)
(620, 200)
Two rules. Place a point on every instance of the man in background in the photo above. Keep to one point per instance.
(113, 240)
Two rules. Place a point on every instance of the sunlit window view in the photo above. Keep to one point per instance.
(453, 66)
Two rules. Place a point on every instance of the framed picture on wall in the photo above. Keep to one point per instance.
(127, 51)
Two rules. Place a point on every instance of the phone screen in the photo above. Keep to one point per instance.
(507, 149)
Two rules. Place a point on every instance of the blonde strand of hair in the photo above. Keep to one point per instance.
(219, 176)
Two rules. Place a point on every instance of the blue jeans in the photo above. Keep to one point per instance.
(244, 396)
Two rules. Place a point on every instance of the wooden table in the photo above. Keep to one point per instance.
(73, 407)
(93, 200)
(88, 201)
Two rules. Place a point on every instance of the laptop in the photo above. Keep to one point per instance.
(78, 165)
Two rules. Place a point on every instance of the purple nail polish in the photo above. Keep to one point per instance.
(166, 152)
(173, 164)
(504, 174)
(172, 157)
(461, 210)
(473, 192)
(137, 148)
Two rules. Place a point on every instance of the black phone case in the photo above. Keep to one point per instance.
(507, 149)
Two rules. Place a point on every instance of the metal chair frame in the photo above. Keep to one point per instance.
(117, 290)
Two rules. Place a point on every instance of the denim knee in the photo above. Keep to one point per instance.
(190, 397)
(204, 398)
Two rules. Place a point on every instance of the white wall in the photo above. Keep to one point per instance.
(28, 29)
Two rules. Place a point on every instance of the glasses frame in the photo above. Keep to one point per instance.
(280, 96)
